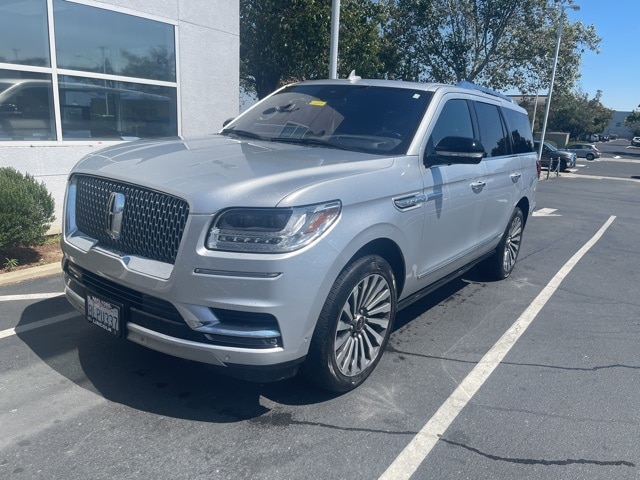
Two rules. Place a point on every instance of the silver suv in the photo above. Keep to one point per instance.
(290, 239)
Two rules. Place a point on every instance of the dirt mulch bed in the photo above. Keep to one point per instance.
(19, 258)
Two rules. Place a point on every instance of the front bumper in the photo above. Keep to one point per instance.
(156, 324)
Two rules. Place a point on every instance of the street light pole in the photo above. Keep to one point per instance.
(553, 77)
(335, 29)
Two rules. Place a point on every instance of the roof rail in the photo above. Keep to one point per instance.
(473, 86)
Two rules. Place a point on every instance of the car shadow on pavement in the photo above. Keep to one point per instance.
(128, 374)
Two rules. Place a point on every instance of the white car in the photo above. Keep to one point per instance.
(635, 142)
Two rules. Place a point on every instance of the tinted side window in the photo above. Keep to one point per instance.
(520, 130)
(454, 121)
(492, 132)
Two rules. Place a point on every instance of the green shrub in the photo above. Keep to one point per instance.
(26, 209)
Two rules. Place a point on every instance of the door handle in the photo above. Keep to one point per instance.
(409, 202)
(415, 200)
(477, 186)
(515, 177)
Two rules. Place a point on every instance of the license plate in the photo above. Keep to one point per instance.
(103, 313)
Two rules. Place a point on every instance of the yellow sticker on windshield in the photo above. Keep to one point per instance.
(317, 103)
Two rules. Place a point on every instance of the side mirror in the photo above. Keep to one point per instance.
(227, 122)
(457, 150)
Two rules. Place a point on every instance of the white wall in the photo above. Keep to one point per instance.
(208, 84)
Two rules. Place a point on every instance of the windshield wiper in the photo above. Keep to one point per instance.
(241, 133)
(309, 142)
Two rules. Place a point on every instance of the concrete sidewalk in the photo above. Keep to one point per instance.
(30, 273)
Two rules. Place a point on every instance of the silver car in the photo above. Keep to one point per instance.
(584, 150)
(289, 240)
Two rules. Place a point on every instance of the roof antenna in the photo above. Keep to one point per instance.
(353, 77)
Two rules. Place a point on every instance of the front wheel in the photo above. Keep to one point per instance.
(501, 263)
(554, 165)
(354, 325)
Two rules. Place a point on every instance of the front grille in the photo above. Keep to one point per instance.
(152, 222)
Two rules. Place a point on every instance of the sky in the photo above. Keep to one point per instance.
(616, 70)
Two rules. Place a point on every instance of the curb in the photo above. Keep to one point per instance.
(30, 273)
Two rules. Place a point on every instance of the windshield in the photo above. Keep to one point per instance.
(352, 117)
(547, 146)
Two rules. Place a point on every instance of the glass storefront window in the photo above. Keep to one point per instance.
(24, 37)
(106, 109)
(26, 106)
(125, 86)
(96, 40)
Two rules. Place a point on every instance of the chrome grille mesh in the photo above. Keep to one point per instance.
(152, 222)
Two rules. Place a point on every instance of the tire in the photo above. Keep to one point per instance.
(354, 326)
(590, 156)
(553, 165)
(563, 165)
(500, 265)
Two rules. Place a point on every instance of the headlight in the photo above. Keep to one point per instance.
(70, 208)
(271, 230)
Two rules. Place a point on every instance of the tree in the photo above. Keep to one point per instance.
(576, 113)
(26, 209)
(633, 122)
(286, 40)
(501, 44)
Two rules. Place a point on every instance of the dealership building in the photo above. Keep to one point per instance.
(78, 75)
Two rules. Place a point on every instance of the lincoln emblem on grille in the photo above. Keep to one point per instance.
(115, 211)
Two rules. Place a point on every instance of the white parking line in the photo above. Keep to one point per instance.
(31, 296)
(417, 450)
(546, 212)
(40, 323)
(599, 177)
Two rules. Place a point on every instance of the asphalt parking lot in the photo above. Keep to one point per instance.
(533, 377)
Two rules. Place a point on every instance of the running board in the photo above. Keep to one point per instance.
(405, 302)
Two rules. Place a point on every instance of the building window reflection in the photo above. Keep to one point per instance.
(116, 74)
(24, 35)
(92, 108)
(95, 40)
(26, 106)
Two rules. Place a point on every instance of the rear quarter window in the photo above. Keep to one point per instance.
(492, 132)
(519, 130)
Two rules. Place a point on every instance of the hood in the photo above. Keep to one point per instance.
(564, 153)
(215, 171)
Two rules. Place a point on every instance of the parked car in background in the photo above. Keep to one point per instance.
(551, 155)
(598, 137)
(635, 142)
(584, 150)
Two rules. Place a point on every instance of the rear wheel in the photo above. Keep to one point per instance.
(501, 263)
(354, 325)
(590, 156)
